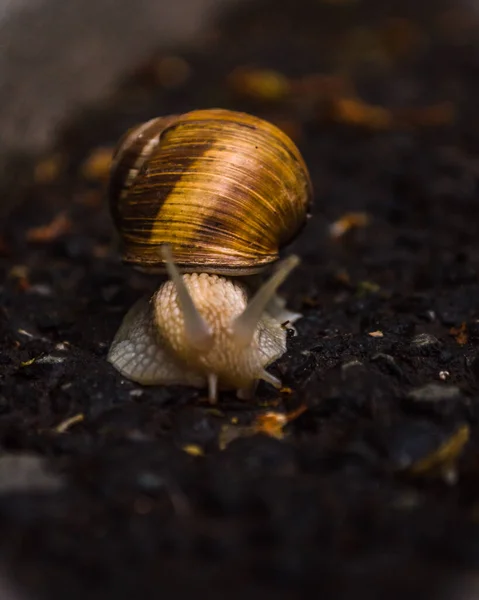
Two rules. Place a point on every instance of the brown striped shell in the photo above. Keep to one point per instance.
(225, 189)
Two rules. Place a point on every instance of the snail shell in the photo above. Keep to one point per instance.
(225, 190)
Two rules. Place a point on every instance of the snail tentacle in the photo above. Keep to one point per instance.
(245, 325)
(212, 387)
(197, 330)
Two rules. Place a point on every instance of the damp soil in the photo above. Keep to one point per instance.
(371, 489)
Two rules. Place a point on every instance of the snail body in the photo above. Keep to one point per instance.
(206, 197)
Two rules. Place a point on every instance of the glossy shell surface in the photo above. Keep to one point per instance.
(225, 189)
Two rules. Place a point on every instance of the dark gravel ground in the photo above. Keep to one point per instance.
(373, 491)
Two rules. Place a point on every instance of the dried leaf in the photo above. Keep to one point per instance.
(193, 450)
(348, 221)
(270, 423)
(460, 334)
(60, 225)
(259, 84)
(444, 457)
(356, 112)
(97, 166)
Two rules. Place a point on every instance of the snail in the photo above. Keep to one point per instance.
(209, 198)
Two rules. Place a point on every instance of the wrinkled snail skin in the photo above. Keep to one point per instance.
(206, 197)
(152, 347)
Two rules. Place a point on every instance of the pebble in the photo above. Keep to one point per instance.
(425, 344)
(424, 339)
(50, 359)
(40, 289)
(388, 362)
(26, 473)
(351, 369)
(352, 364)
(434, 392)
(9, 589)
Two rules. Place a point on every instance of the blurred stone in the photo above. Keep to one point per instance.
(59, 56)
(425, 339)
(26, 473)
(435, 392)
(9, 590)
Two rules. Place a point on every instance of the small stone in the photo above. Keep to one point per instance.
(351, 369)
(408, 500)
(50, 359)
(424, 339)
(150, 481)
(9, 589)
(434, 392)
(62, 346)
(425, 344)
(26, 473)
(40, 289)
(388, 363)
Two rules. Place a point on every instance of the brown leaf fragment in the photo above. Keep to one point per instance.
(348, 221)
(193, 450)
(356, 112)
(60, 225)
(259, 84)
(273, 423)
(460, 334)
(21, 274)
(97, 165)
(48, 169)
(269, 423)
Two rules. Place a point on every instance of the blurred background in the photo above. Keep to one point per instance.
(56, 56)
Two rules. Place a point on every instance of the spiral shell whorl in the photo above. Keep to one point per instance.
(131, 152)
(226, 190)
